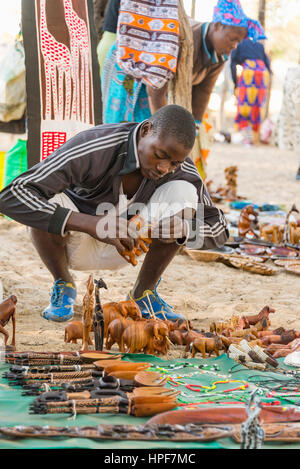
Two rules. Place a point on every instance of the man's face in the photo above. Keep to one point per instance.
(158, 156)
(226, 38)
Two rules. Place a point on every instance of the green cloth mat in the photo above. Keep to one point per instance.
(14, 411)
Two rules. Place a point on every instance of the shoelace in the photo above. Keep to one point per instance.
(57, 293)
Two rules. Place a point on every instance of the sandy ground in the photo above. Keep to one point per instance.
(210, 291)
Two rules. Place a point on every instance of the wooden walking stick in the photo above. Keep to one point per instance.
(98, 317)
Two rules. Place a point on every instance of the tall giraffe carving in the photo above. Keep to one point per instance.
(79, 44)
(57, 61)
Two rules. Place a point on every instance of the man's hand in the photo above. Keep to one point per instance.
(109, 228)
(117, 231)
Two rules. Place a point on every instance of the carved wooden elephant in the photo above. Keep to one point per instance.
(7, 312)
(114, 310)
(115, 331)
(74, 331)
(140, 336)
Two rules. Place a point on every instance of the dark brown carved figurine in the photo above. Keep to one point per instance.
(98, 316)
(264, 313)
(7, 312)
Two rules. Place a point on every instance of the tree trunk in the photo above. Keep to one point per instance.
(180, 88)
(193, 9)
(262, 12)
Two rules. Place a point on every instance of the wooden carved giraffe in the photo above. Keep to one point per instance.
(79, 43)
(57, 60)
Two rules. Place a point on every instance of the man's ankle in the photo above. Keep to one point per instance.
(137, 292)
(66, 279)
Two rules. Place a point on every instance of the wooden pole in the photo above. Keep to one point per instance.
(262, 12)
(180, 88)
(193, 9)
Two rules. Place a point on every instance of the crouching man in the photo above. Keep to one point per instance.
(70, 199)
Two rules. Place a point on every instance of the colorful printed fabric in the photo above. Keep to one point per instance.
(148, 40)
(63, 83)
(230, 12)
(252, 92)
(204, 141)
(124, 98)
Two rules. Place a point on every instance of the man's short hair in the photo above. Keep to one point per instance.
(175, 121)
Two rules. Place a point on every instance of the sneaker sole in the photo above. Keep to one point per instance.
(55, 318)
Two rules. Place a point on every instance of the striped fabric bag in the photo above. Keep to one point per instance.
(148, 40)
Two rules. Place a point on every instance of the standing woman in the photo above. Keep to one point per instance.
(128, 99)
(251, 86)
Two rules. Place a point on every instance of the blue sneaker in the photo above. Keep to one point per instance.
(161, 309)
(298, 175)
(62, 300)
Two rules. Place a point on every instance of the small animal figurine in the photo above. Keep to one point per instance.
(189, 337)
(177, 337)
(74, 331)
(227, 326)
(273, 233)
(248, 221)
(88, 306)
(7, 312)
(130, 256)
(294, 233)
(140, 336)
(115, 331)
(288, 226)
(264, 313)
(125, 309)
(206, 345)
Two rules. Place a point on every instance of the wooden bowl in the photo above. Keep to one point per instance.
(129, 375)
(204, 256)
(283, 252)
(285, 262)
(93, 356)
(150, 378)
(252, 250)
(293, 267)
(154, 391)
(126, 366)
(102, 364)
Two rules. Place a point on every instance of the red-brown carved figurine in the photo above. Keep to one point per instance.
(248, 221)
(206, 345)
(74, 331)
(7, 311)
(147, 336)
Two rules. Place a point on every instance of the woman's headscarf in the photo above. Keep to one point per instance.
(230, 13)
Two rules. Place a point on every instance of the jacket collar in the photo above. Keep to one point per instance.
(131, 162)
